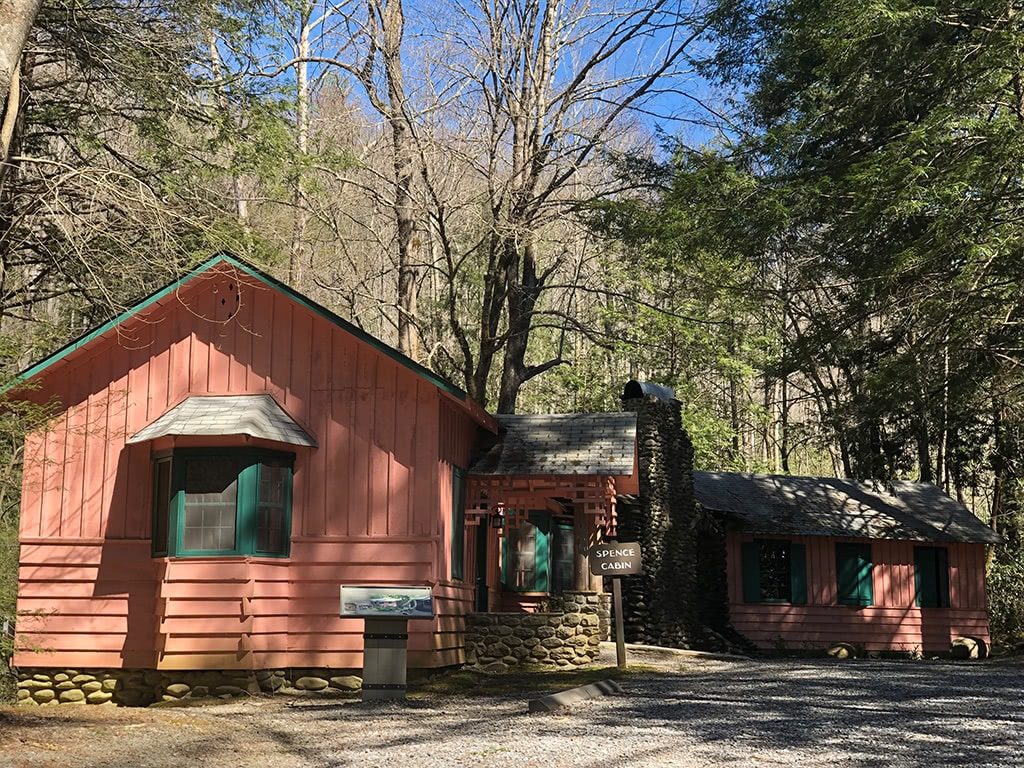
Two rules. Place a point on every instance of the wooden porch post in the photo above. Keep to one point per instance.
(582, 523)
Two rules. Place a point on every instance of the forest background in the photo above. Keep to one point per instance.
(806, 217)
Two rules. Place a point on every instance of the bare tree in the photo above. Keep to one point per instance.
(16, 19)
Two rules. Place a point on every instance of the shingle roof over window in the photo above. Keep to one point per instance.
(254, 415)
(562, 444)
(825, 506)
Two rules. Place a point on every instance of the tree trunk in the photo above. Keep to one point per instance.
(16, 20)
(300, 213)
(403, 153)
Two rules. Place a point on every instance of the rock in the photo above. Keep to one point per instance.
(67, 685)
(99, 697)
(110, 684)
(71, 696)
(41, 678)
(347, 682)
(43, 695)
(311, 683)
(23, 694)
(27, 703)
(60, 677)
(964, 648)
(229, 690)
(200, 691)
(79, 679)
(177, 690)
(131, 697)
(842, 651)
(551, 642)
(35, 685)
(92, 686)
(495, 668)
(565, 632)
(544, 632)
(287, 690)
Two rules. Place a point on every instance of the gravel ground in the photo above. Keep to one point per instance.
(691, 712)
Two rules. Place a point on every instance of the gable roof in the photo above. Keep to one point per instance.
(256, 273)
(253, 415)
(825, 506)
(562, 444)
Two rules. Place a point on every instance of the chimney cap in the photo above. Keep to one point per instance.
(635, 389)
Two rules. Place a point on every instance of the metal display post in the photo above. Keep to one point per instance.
(386, 610)
(385, 647)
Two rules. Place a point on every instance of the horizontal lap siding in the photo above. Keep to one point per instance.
(894, 622)
(371, 503)
(86, 605)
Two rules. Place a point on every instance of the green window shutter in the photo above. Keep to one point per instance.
(926, 580)
(751, 565)
(797, 574)
(543, 561)
(853, 574)
(458, 529)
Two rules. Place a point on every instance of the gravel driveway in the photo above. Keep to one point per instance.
(711, 712)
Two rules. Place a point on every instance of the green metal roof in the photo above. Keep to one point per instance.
(263, 277)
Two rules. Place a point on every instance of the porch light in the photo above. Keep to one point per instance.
(498, 518)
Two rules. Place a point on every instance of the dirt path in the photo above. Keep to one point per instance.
(710, 712)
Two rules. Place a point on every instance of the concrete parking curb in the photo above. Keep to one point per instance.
(562, 699)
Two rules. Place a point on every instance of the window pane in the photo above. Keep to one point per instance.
(564, 560)
(211, 495)
(271, 507)
(775, 574)
(522, 550)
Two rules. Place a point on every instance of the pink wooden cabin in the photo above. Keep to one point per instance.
(226, 455)
(813, 562)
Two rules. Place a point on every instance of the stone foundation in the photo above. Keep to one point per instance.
(568, 634)
(144, 687)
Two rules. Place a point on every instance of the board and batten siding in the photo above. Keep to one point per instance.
(892, 623)
(370, 504)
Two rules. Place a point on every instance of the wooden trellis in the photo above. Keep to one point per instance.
(514, 496)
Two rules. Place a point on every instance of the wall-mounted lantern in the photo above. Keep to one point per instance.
(498, 518)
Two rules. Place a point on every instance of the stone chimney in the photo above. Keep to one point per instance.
(683, 549)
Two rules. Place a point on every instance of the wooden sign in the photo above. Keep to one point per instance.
(615, 559)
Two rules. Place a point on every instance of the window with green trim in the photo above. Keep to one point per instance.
(222, 502)
(774, 571)
(931, 577)
(853, 574)
(537, 555)
(458, 527)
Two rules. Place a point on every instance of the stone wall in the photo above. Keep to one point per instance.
(568, 634)
(143, 687)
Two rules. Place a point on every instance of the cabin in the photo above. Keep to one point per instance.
(227, 453)
(817, 562)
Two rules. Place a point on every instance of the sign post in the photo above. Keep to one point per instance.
(616, 559)
(386, 611)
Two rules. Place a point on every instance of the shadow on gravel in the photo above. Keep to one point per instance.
(864, 713)
(870, 713)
